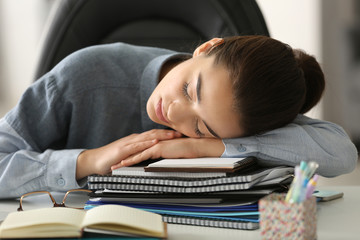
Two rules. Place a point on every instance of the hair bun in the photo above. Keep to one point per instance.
(314, 79)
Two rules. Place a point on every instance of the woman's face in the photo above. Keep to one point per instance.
(195, 98)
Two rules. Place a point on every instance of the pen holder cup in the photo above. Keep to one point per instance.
(282, 220)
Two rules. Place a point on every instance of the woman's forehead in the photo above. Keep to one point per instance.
(217, 102)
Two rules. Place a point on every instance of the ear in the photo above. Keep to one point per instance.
(203, 48)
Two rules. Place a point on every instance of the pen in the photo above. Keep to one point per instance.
(303, 169)
(308, 170)
(290, 192)
(302, 182)
(312, 166)
(296, 191)
(311, 186)
(303, 187)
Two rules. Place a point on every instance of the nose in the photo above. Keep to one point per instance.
(179, 112)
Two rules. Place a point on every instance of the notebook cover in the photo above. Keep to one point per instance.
(249, 161)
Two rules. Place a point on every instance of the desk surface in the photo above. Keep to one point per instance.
(337, 219)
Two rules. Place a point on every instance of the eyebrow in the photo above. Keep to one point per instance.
(198, 94)
(198, 88)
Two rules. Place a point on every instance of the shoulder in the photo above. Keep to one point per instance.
(107, 65)
(318, 125)
(107, 59)
(115, 53)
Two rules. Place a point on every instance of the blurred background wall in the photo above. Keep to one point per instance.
(21, 25)
(328, 29)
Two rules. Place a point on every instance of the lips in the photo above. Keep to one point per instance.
(159, 112)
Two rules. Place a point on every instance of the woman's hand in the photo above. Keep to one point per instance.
(177, 148)
(100, 160)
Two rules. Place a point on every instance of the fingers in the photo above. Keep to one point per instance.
(135, 149)
(139, 146)
(160, 134)
(149, 153)
(142, 156)
(116, 166)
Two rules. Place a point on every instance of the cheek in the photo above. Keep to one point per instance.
(185, 130)
(167, 85)
(172, 91)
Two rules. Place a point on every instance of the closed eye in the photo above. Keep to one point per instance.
(185, 90)
(197, 130)
(186, 94)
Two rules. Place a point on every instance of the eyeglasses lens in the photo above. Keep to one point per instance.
(76, 199)
(37, 200)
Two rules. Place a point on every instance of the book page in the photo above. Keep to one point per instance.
(58, 215)
(30, 223)
(126, 219)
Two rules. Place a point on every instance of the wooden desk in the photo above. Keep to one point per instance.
(338, 219)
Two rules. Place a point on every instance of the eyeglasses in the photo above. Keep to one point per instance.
(72, 198)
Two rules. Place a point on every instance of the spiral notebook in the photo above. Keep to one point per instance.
(205, 222)
(136, 175)
(239, 181)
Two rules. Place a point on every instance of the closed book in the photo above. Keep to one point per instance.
(201, 165)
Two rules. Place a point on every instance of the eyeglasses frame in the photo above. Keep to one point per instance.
(62, 204)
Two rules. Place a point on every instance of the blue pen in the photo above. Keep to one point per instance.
(302, 194)
(303, 167)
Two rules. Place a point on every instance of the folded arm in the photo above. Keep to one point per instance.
(305, 139)
(25, 170)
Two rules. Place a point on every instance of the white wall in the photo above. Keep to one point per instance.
(21, 24)
(297, 23)
(342, 102)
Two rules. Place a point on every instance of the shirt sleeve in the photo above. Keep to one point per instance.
(24, 170)
(33, 135)
(305, 139)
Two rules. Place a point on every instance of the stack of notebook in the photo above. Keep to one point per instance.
(216, 192)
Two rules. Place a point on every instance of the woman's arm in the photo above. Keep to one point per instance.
(24, 170)
(305, 139)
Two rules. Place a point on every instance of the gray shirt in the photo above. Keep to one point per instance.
(98, 95)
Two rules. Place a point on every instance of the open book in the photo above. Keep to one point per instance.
(67, 222)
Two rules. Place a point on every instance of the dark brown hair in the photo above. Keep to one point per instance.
(272, 83)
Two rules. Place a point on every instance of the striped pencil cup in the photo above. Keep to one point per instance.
(282, 220)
